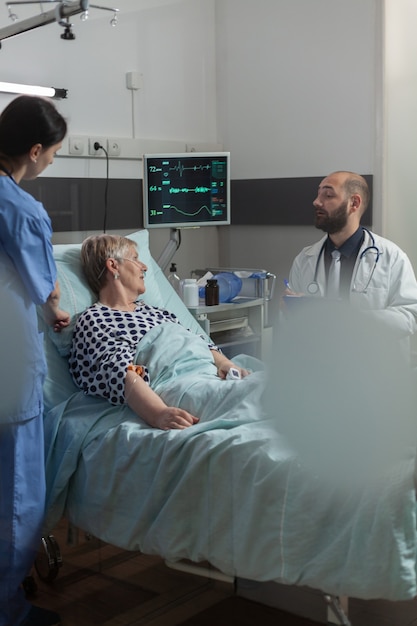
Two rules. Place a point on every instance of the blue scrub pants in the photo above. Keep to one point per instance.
(22, 508)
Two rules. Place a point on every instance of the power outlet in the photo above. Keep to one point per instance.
(76, 146)
(114, 147)
(102, 141)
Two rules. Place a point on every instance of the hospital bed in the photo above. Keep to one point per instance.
(229, 491)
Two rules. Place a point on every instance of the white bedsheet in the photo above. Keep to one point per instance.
(229, 490)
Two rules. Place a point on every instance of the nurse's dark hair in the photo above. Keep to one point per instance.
(28, 120)
(95, 251)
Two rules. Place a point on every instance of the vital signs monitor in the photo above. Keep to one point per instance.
(188, 189)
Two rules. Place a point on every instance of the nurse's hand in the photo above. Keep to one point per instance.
(61, 320)
(53, 315)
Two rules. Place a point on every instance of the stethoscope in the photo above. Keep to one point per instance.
(6, 171)
(313, 287)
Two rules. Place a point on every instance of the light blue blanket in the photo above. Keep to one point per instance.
(229, 490)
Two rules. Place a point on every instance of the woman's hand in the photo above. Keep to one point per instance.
(173, 418)
(150, 407)
(224, 364)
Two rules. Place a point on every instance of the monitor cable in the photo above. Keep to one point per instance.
(98, 146)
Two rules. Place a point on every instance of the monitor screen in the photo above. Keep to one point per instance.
(186, 190)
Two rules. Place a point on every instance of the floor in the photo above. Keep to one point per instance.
(101, 584)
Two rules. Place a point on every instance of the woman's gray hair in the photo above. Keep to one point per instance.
(96, 250)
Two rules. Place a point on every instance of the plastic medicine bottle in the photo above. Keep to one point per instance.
(212, 292)
(190, 292)
(174, 279)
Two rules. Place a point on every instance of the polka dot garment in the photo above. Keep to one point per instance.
(104, 344)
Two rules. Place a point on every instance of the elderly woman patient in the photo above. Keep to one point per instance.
(105, 354)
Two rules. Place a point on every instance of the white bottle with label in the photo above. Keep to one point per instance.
(190, 292)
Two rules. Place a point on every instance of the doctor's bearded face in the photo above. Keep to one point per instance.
(332, 222)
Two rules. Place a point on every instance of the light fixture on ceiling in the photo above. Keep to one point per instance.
(64, 9)
(113, 22)
(33, 90)
(12, 15)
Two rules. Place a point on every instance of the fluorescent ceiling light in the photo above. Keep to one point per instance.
(33, 90)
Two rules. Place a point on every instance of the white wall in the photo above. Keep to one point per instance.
(288, 86)
(297, 85)
(400, 127)
(171, 43)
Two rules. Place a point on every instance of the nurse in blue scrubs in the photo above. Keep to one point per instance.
(31, 132)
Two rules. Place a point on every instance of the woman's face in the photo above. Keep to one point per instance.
(40, 159)
(132, 272)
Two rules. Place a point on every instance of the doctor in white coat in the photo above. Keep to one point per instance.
(375, 274)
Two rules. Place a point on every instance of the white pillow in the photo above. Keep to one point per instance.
(76, 296)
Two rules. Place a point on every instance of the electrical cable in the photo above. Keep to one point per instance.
(132, 106)
(98, 146)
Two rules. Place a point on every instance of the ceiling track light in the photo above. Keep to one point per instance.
(64, 9)
(12, 15)
(114, 20)
(34, 90)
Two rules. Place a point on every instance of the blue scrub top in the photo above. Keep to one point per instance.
(27, 277)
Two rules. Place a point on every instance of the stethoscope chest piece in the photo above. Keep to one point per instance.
(313, 288)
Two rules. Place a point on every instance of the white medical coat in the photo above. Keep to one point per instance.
(392, 291)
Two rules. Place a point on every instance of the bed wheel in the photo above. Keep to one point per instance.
(49, 559)
(29, 586)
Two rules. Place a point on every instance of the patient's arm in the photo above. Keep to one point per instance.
(224, 364)
(149, 406)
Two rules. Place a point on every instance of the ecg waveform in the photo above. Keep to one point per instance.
(180, 168)
(189, 190)
(212, 212)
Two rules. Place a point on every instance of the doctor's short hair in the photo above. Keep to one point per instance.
(95, 251)
(27, 121)
(355, 183)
